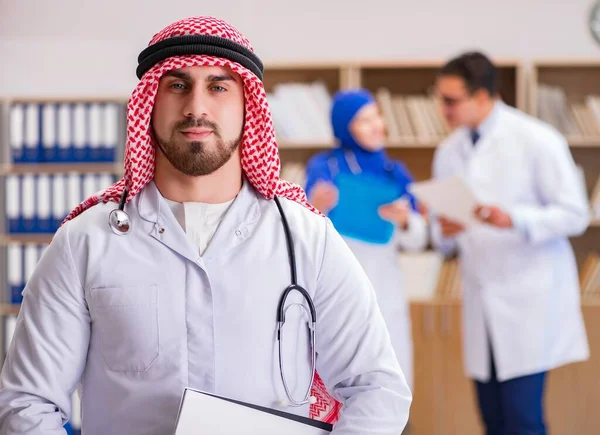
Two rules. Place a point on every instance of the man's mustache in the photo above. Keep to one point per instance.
(198, 122)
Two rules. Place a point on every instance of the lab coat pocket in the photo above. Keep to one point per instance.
(126, 321)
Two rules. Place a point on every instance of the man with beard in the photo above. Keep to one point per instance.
(180, 284)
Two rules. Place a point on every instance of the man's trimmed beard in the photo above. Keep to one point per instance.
(195, 158)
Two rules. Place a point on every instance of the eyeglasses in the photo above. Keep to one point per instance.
(451, 101)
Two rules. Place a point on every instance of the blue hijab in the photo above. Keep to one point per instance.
(346, 104)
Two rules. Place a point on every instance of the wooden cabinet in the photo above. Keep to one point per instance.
(573, 391)
(444, 400)
(425, 411)
(443, 397)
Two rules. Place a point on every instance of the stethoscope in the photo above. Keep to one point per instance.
(352, 162)
(120, 223)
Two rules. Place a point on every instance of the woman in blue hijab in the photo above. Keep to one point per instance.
(364, 192)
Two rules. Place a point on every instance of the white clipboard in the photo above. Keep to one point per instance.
(206, 413)
(450, 197)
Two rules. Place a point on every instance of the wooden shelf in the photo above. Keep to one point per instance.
(9, 309)
(423, 143)
(418, 77)
(584, 142)
(578, 78)
(448, 302)
(66, 100)
(436, 302)
(286, 145)
(56, 168)
(25, 238)
(419, 143)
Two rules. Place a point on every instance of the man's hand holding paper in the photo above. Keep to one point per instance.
(457, 207)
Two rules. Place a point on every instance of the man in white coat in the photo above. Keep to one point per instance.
(183, 290)
(521, 306)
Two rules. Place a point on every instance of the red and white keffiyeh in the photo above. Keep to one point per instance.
(260, 156)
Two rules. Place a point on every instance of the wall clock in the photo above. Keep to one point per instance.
(595, 21)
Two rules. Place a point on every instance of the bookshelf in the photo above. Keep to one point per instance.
(55, 152)
(566, 93)
(412, 79)
(444, 401)
(573, 86)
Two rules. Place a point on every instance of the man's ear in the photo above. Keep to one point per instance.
(481, 95)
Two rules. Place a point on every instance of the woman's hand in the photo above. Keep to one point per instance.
(324, 196)
(396, 212)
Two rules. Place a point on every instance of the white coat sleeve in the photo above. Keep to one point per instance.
(48, 351)
(414, 237)
(563, 210)
(355, 359)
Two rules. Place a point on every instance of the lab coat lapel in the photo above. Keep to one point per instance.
(164, 227)
(489, 137)
(236, 225)
(489, 143)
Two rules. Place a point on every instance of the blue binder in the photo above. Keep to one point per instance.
(356, 214)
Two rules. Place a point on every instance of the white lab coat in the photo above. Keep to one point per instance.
(520, 285)
(381, 263)
(140, 317)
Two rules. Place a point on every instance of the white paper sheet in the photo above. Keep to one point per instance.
(201, 413)
(449, 197)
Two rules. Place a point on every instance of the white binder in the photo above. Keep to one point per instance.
(28, 204)
(95, 131)
(17, 131)
(49, 131)
(79, 131)
(64, 133)
(206, 413)
(32, 131)
(44, 211)
(60, 208)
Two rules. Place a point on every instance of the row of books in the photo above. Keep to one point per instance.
(590, 276)
(300, 112)
(21, 261)
(65, 132)
(411, 118)
(595, 200)
(38, 203)
(92, 132)
(572, 118)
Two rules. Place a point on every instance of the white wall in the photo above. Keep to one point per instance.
(75, 47)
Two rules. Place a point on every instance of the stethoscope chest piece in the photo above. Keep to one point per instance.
(118, 219)
(119, 222)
